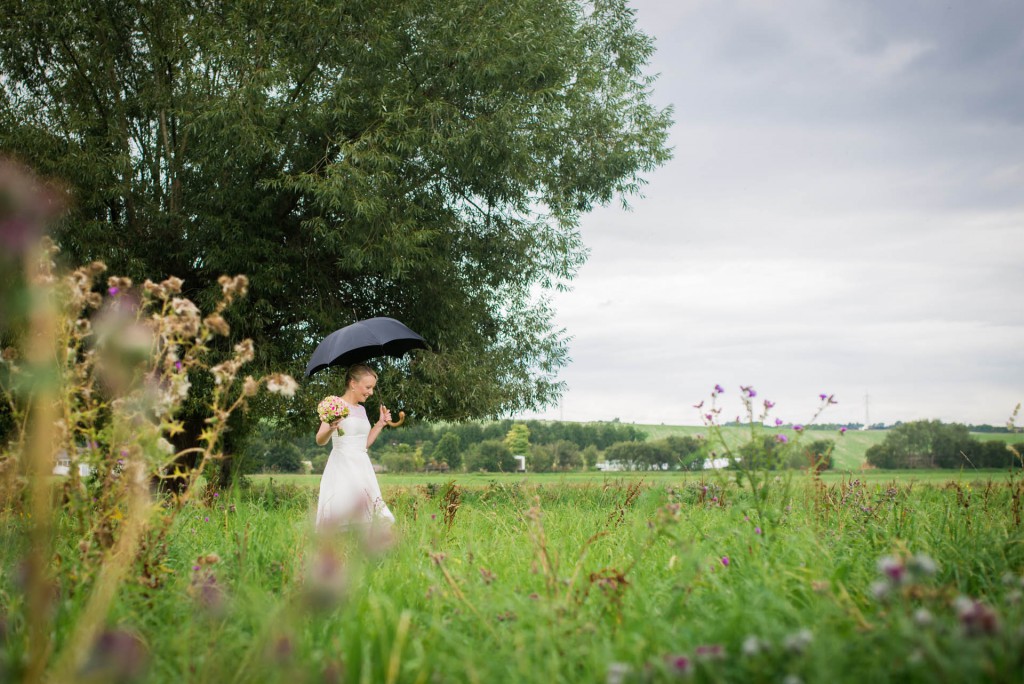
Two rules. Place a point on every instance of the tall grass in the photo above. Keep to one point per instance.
(599, 581)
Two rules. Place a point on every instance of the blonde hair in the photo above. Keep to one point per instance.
(356, 372)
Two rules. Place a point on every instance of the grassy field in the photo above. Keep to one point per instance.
(848, 452)
(398, 481)
(588, 578)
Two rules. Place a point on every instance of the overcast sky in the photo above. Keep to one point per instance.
(844, 213)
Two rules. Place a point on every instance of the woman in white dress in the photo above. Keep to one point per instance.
(349, 493)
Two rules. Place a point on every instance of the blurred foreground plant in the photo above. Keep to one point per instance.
(93, 377)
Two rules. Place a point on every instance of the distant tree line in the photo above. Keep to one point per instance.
(934, 444)
(472, 446)
(559, 447)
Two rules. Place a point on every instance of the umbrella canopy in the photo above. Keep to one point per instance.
(364, 340)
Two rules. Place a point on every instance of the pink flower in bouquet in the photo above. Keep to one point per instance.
(332, 408)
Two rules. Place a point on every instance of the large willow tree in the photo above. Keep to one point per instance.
(422, 159)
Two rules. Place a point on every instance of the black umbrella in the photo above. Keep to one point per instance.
(364, 340)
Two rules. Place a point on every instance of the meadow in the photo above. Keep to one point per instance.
(625, 578)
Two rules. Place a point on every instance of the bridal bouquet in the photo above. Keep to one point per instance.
(331, 409)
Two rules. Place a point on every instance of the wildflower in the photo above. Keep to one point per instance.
(752, 646)
(172, 285)
(217, 324)
(617, 673)
(757, 530)
(205, 590)
(27, 204)
(922, 565)
(922, 617)
(232, 287)
(975, 617)
(678, 664)
(244, 351)
(778, 422)
(719, 389)
(768, 405)
(117, 655)
(710, 652)
(842, 430)
(250, 386)
(781, 439)
(326, 579)
(823, 396)
(725, 561)
(798, 428)
(112, 291)
(799, 641)
(283, 384)
(892, 568)
(880, 589)
(281, 649)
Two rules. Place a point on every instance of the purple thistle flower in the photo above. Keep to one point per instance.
(778, 422)
(798, 428)
(710, 651)
(678, 664)
(112, 291)
(769, 404)
(177, 365)
(781, 439)
(823, 397)
(725, 561)
(842, 430)
(751, 392)
(757, 530)
(206, 518)
(719, 389)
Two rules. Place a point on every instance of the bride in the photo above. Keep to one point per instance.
(349, 493)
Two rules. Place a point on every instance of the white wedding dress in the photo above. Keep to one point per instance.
(349, 493)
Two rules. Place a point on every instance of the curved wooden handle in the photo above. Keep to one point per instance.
(401, 419)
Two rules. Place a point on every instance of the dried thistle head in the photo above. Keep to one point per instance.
(245, 351)
(283, 384)
(217, 324)
(233, 288)
(250, 386)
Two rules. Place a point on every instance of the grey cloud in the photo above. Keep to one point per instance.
(844, 213)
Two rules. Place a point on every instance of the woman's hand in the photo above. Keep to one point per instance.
(385, 415)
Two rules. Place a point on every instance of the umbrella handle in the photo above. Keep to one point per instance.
(401, 419)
